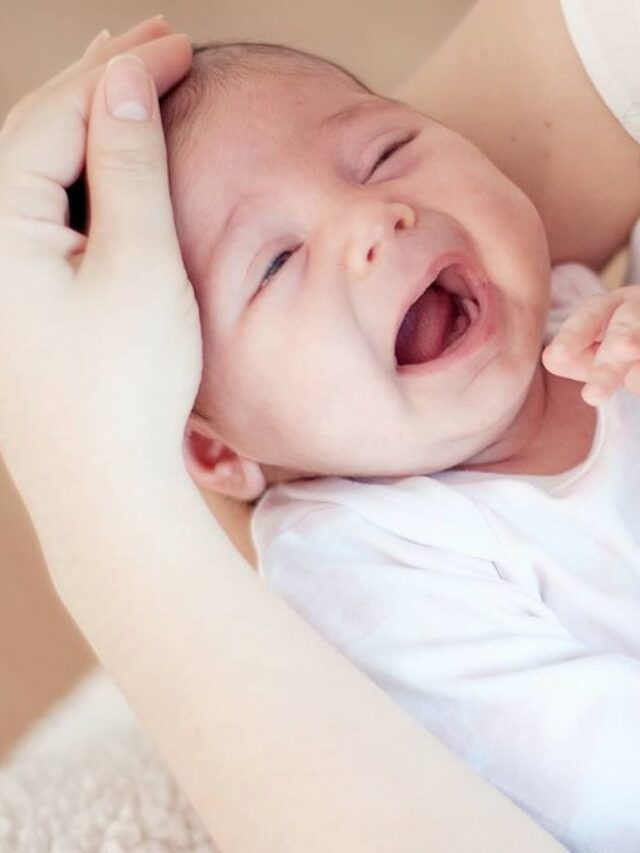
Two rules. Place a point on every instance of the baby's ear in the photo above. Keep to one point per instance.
(215, 467)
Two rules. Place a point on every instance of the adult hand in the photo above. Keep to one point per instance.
(100, 342)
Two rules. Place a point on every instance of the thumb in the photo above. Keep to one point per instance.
(130, 204)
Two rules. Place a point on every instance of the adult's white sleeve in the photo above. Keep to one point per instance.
(484, 665)
(606, 36)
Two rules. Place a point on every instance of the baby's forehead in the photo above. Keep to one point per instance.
(278, 124)
(270, 107)
(243, 134)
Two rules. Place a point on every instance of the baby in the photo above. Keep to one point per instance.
(374, 298)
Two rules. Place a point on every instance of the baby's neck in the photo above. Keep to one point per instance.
(552, 433)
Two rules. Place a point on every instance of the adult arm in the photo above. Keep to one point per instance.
(509, 79)
(278, 741)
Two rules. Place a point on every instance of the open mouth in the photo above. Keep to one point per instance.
(439, 319)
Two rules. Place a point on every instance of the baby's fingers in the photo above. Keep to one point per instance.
(584, 327)
(569, 363)
(619, 351)
(603, 381)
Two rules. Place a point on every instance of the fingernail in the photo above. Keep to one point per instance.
(101, 38)
(159, 19)
(128, 88)
(162, 20)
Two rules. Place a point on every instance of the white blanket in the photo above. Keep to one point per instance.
(86, 778)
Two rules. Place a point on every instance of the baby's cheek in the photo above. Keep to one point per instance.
(217, 396)
(238, 404)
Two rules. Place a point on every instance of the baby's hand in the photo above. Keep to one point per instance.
(599, 344)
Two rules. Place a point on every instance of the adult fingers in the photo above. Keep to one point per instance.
(131, 213)
(102, 38)
(44, 152)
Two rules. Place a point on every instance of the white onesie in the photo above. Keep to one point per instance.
(501, 611)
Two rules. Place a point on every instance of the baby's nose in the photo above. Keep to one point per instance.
(372, 234)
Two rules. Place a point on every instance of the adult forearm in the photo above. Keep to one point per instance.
(508, 78)
(278, 740)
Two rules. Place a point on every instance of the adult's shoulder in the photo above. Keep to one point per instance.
(510, 78)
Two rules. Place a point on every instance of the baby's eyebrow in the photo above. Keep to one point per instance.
(342, 117)
(217, 248)
(233, 216)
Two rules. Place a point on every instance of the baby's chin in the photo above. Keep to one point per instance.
(277, 474)
(474, 446)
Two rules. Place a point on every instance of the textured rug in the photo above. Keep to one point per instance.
(85, 778)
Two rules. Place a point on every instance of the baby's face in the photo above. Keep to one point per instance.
(311, 217)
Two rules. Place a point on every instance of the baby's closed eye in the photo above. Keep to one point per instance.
(276, 264)
(281, 259)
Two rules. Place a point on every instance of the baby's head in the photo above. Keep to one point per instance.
(338, 242)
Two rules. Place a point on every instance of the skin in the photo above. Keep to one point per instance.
(360, 242)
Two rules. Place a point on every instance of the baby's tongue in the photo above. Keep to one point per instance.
(426, 327)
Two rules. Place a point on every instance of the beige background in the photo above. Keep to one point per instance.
(381, 40)
(41, 653)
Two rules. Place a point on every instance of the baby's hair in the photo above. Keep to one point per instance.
(217, 66)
